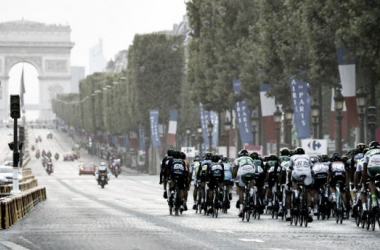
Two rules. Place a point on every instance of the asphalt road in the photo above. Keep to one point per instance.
(130, 213)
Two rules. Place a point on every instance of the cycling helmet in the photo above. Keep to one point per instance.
(176, 154)
(215, 158)
(373, 144)
(324, 158)
(336, 157)
(208, 156)
(272, 158)
(183, 155)
(299, 151)
(254, 155)
(197, 158)
(285, 152)
(170, 152)
(243, 152)
(291, 152)
(360, 147)
(224, 159)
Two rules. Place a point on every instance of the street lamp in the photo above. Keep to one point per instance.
(277, 119)
(339, 102)
(315, 117)
(361, 103)
(254, 123)
(187, 137)
(227, 127)
(210, 128)
(288, 125)
(199, 130)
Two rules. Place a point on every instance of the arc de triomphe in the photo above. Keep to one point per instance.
(47, 48)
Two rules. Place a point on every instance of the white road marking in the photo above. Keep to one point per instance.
(12, 245)
(252, 240)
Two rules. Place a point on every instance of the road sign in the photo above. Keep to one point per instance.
(314, 146)
(189, 151)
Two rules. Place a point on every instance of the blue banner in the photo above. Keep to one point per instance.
(155, 135)
(243, 116)
(142, 137)
(207, 116)
(301, 106)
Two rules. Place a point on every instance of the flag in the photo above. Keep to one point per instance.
(172, 131)
(206, 117)
(268, 107)
(22, 89)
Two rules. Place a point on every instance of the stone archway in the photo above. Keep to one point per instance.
(47, 48)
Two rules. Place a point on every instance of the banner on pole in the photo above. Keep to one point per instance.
(301, 106)
(243, 116)
(155, 136)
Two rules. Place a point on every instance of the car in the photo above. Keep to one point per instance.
(8, 161)
(6, 175)
(49, 136)
(68, 156)
(87, 168)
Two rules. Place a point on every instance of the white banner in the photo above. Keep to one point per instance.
(314, 146)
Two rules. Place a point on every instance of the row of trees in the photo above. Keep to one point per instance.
(118, 103)
(258, 41)
(272, 41)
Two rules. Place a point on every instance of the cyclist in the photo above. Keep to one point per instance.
(259, 176)
(215, 176)
(192, 175)
(201, 175)
(320, 173)
(273, 175)
(372, 169)
(243, 166)
(284, 160)
(300, 166)
(228, 180)
(178, 172)
(356, 168)
(187, 178)
(338, 173)
(165, 171)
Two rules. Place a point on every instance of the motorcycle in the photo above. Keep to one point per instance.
(39, 139)
(49, 168)
(56, 156)
(43, 153)
(116, 170)
(37, 155)
(102, 181)
(48, 154)
(33, 148)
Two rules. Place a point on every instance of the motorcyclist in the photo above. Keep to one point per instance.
(116, 166)
(56, 156)
(49, 164)
(102, 169)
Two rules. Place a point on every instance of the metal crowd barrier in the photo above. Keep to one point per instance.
(16, 207)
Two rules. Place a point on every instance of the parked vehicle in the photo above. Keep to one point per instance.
(8, 161)
(68, 157)
(6, 175)
(49, 136)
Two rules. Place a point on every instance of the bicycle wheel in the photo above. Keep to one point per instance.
(358, 214)
(373, 221)
(301, 219)
(306, 219)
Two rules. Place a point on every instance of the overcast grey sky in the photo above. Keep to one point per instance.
(116, 21)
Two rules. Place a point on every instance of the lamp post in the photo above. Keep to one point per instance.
(315, 117)
(288, 125)
(339, 101)
(277, 119)
(210, 128)
(361, 103)
(254, 123)
(192, 141)
(188, 137)
(199, 130)
(227, 127)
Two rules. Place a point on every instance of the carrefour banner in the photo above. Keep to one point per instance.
(243, 115)
(301, 106)
(142, 137)
(207, 116)
(155, 135)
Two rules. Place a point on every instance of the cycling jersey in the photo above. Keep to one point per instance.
(202, 170)
(216, 171)
(178, 167)
(227, 172)
(372, 158)
(321, 170)
(301, 165)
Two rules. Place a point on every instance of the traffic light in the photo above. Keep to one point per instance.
(371, 116)
(15, 106)
(12, 145)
